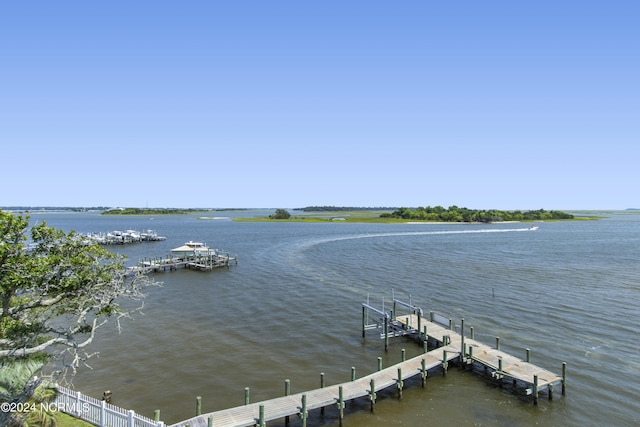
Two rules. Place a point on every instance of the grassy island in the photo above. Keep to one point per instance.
(152, 211)
(437, 214)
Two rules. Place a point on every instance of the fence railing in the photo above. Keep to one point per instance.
(98, 412)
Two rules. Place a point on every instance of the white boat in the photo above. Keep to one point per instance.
(533, 227)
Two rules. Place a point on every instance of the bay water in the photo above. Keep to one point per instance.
(291, 309)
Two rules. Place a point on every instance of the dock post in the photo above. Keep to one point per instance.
(463, 355)
(419, 321)
(364, 320)
(353, 373)
(198, 405)
(535, 390)
(304, 412)
(404, 355)
(423, 372)
(340, 405)
(386, 333)
(499, 373)
(445, 364)
(246, 395)
(471, 356)
(156, 415)
(550, 388)
(497, 343)
(451, 324)
(372, 394)
(431, 316)
(261, 421)
(210, 421)
(462, 346)
(564, 377)
(399, 383)
(528, 355)
(322, 386)
(287, 392)
(379, 364)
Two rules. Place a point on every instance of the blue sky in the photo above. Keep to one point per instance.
(480, 104)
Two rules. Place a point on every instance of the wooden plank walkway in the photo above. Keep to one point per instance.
(502, 365)
(278, 408)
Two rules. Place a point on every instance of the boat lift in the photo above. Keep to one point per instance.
(389, 322)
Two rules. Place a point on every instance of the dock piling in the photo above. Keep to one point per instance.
(304, 414)
(322, 384)
(423, 372)
(372, 394)
(261, 421)
(340, 405)
(287, 392)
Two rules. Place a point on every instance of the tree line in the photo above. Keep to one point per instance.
(457, 214)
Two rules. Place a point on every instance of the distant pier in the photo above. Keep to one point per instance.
(192, 255)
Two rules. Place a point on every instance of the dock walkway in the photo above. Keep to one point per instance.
(281, 407)
(503, 365)
(452, 347)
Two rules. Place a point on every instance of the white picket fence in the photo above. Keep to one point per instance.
(98, 412)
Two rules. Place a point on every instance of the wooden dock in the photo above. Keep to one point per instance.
(336, 395)
(449, 347)
(199, 262)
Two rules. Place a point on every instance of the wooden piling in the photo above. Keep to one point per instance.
(399, 383)
(198, 405)
(564, 377)
(386, 333)
(372, 394)
(261, 421)
(445, 364)
(304, 414)
(423, 372)
(340, 404)
(246, 395)
(462, 345)
(287, 392)
(322, 384)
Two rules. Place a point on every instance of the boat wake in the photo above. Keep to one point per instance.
(309, 244)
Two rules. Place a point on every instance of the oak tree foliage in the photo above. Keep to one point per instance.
(56, 290)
